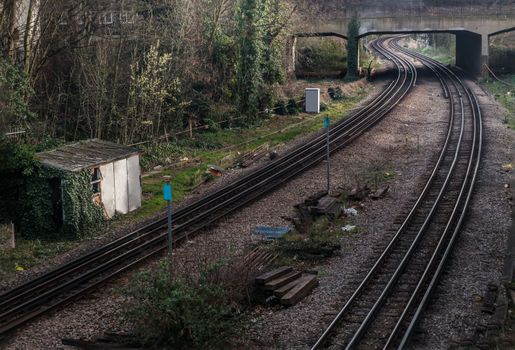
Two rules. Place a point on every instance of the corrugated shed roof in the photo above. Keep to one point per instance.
(85, 154)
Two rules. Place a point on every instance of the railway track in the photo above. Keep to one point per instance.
(84, 274)
(383, 311)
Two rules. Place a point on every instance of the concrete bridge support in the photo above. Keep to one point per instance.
(472, 52)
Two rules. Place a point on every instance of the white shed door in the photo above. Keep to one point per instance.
(107, 188)
(133, 172)
(120, 186)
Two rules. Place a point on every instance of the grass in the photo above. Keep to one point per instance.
(28, 253)
(274, 131)
(504, 94)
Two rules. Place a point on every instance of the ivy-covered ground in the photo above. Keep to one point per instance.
(219, 147)
(504, 94)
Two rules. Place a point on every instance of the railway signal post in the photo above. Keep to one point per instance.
(167, 194)
(327, 123)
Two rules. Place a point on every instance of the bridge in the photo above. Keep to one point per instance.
(472, 26)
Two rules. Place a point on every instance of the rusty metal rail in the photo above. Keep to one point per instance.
(84, 274)
(384, 309)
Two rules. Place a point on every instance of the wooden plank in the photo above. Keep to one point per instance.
(325, 203)
(266, 277)
(287, 287)
(300, 291)
(281, 281)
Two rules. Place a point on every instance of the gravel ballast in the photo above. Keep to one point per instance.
(405, 143)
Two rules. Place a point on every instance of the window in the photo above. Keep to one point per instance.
(126, 17)
(107, 18)
(96, 180)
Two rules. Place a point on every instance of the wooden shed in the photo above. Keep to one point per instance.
(115, 172)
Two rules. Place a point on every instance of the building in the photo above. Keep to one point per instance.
(115, 174)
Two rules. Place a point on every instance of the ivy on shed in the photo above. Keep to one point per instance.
(59, 203)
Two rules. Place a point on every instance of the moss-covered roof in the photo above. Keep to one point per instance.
(85, 154)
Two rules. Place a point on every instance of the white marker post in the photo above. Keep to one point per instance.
(167, 194)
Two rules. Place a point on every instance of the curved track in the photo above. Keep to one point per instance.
(82, 275)
(385, 308)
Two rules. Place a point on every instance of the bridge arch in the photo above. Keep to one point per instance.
(472, 29)
(292, 46)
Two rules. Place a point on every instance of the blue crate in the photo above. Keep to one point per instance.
(272, 232)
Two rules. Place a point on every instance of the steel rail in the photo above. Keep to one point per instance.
(327, 332)
(446, 243)
(191, 221)
(160, 223)
(436, 276)
(67, 294)
(185, 212)
(379, 302)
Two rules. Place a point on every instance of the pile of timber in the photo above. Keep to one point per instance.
(258, 259)
(286, 285)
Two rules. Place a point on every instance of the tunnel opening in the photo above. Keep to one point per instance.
(320, 57)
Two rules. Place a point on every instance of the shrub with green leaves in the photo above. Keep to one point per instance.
(292, 107)
(176, 313)
(17, 164)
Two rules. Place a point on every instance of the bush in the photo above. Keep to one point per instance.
(292, 107)
(178, 313)
(335, 93)
(17, 164)
(160, 154)
(280, 108)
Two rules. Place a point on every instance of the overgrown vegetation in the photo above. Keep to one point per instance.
(17, 165)
(504, 93)
(321, 238)
(144, 72)
(27, 196)
(325, 57)
(28, 253)
(15, 93)
(168, 311)
(352, 48)
(221, 147)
